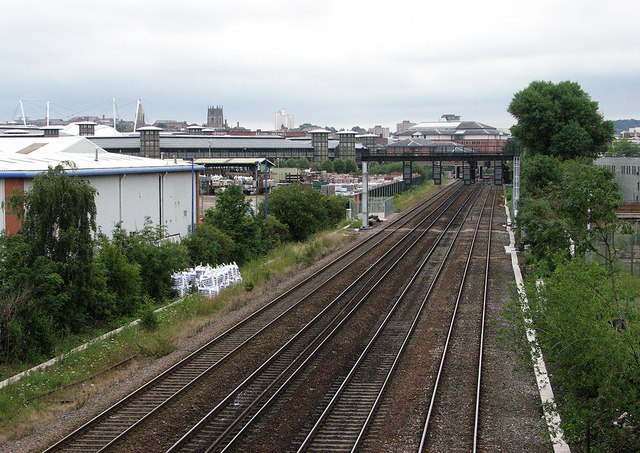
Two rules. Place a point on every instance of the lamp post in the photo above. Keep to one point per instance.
(255, 211)
(365, 195)
(193, 197)
(266, 190)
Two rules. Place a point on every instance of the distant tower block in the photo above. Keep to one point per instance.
(150, 141)
(284, 120)
(320, 143)
(347, 144)
(215, 117)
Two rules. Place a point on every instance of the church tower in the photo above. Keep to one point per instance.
(215, 117)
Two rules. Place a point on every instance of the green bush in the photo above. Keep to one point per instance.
(304, 210)
(149, 319)
(274, 232)
(210, 245)
(232, 215)
(155, 345)
(122, 278)
(157, 260)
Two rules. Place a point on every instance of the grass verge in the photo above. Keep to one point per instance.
(414, 195)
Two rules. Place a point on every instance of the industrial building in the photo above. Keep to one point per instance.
(152, 143)
(130, 189)
(626, 171)
(199, 142)
(472, 135)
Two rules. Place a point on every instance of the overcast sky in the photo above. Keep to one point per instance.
(334, 63)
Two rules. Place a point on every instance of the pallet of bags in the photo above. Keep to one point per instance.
(208, 280)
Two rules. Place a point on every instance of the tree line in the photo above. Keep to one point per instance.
(584, 306)
(337, 165)
(60, 276)
(349, 166)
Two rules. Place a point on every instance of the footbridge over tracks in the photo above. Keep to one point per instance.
(469, 161)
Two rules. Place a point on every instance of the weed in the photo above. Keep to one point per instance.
(149, 320)
(155, 345)
(21, 410)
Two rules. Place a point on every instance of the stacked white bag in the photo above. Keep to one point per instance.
(208, 280)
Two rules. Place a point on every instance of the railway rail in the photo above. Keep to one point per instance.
(225, 424)
(347, 417)
(115, 423)
(458, 380)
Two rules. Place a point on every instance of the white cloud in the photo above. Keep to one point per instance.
(336, 63)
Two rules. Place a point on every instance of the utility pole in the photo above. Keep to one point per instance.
(365, 195)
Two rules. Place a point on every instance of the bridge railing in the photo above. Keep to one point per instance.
(436, 153)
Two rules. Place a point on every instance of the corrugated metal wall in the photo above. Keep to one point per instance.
(163, 197)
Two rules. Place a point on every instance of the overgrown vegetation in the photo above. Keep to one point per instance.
(588, 326)
(376, 168)
(623, 148)
(412, 196)
(584, 310)
(59, 282)
(75, 378)
(337, 165)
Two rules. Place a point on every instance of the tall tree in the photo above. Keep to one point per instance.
(232, 216)
(623, 147)
(559, 120)
(59, 224)
(590, 334)
(589, 199)
(60, 215)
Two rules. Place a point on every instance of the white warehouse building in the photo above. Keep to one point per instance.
(129, 189)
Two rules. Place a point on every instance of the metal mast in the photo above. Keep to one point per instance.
(114, 113)
(24, 118)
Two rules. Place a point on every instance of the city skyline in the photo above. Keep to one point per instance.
(344, 64)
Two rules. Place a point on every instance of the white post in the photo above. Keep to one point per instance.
(24, 118)
(114, 113)
(48, 113)
(365, 195)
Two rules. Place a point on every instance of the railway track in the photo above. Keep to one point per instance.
(350, 409)
(115, 423)
(350, 412)
(452, 421)
(225, 424)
